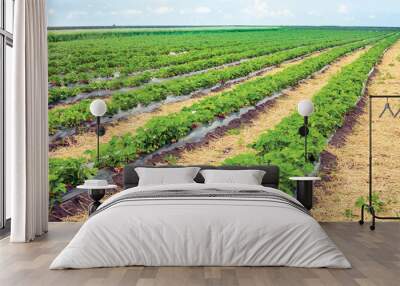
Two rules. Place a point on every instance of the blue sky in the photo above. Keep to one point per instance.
(224, 12)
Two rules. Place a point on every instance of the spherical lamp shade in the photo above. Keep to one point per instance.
(305, 107)
(98, 107)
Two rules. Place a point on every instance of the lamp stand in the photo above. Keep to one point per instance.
(305, 138)
(98, 139)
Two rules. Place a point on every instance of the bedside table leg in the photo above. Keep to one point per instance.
(304, 193)
(96, 196)
(93, 207)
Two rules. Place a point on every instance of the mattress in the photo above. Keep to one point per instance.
(201, 225)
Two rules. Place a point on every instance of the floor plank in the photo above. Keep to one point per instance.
(375, 257)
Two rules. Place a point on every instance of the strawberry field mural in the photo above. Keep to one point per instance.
(216, 96)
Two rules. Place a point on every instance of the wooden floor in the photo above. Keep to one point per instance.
(375, 257)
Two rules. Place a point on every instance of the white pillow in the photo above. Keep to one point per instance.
(166, 176)
(247, 177)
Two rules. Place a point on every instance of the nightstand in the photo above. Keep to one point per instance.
(304, 190)
(96, 193)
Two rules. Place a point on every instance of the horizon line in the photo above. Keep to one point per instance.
(205, 26)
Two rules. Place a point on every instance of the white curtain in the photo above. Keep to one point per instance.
(26, 117)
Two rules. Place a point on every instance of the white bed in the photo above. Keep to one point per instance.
(201, 231)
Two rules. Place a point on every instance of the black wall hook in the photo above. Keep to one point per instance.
(387, 107)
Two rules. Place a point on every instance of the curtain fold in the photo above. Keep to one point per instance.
(27, 143)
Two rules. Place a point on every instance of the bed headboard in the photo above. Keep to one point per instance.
(271, 177)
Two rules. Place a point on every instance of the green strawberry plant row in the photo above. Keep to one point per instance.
(60, 93)
(63, 73)
(75, 61)
(283, 146)
(83, 61)
(128, 61)
(79, 113)
(164, 130)
(66, 173)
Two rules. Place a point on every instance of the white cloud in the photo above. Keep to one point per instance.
(163, 10)
(202, 10)
(257, 8)
(51, 11)
(260, 9)
(343, 9)
(372, 16)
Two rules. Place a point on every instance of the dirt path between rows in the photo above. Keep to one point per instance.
(236, 141)
(347, 163)
(85, 141)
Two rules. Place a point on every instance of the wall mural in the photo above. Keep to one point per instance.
(212, 96)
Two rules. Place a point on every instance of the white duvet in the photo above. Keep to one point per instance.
(200, 231)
